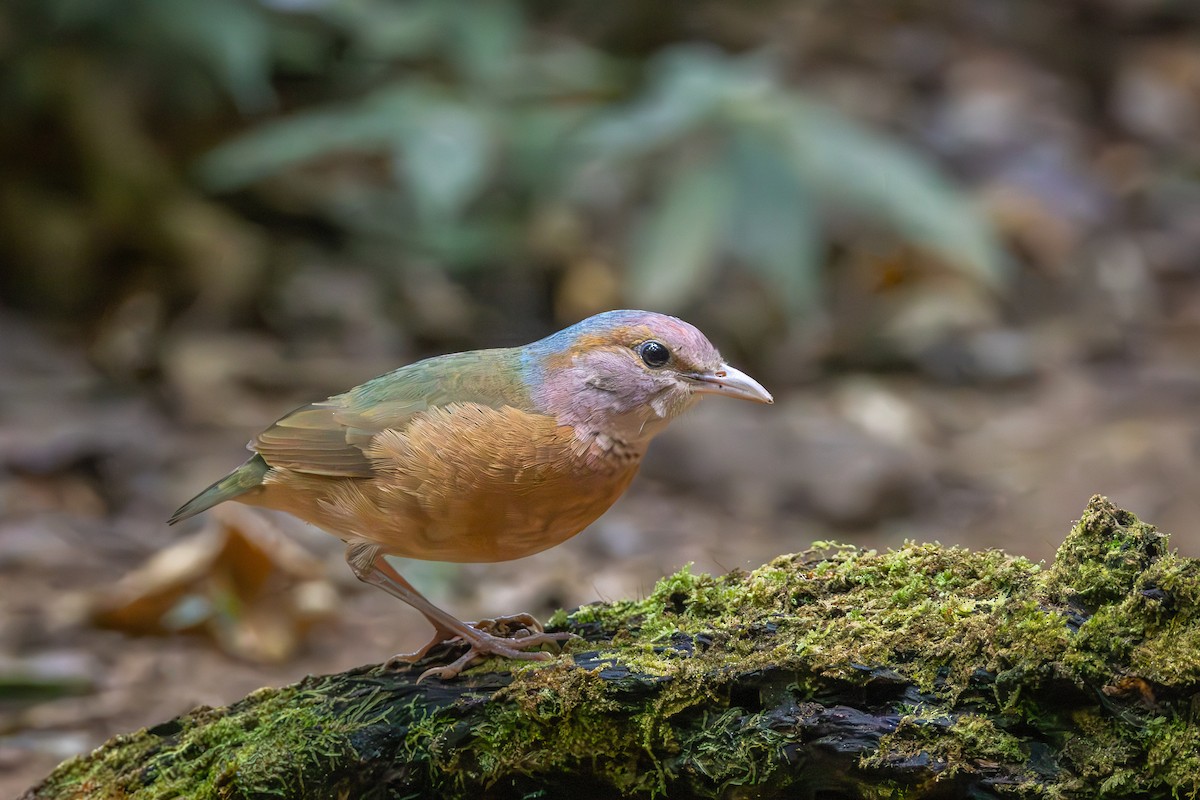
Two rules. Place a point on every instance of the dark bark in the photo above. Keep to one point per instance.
(838, 673)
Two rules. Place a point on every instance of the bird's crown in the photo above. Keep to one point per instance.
(661, 341)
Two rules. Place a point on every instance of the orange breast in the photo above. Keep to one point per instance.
(464, 482)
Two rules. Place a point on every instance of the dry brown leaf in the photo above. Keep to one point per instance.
(239, 581)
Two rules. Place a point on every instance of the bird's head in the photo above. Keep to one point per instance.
(627, 373)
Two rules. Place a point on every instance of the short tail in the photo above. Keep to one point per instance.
(240, 481)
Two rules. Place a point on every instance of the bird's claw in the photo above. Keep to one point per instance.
(488, 637)
(440, 636)
(485, 644)
(516, 624)
(507, 636)
(510, 628)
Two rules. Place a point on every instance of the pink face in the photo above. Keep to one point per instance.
(628, 373)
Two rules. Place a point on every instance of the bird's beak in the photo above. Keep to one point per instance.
(725, 380)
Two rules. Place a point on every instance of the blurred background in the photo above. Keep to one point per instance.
(960, 242)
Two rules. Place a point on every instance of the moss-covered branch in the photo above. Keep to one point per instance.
(924, 672)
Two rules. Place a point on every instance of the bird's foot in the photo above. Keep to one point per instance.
(440, 636)
(509, 636)
(509, 626)
(482, 644)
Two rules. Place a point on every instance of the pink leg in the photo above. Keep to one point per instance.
(369, 565)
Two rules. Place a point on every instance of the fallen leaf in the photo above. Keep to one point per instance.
(239, 581)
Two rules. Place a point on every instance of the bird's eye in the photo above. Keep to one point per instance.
(655, 354)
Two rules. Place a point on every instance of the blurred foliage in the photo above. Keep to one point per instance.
(102, 101)
(472, 134)
(745, 167)
(710, 154)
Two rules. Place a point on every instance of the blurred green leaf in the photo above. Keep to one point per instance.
(536, 157)
(773, 226)
(22, 684)
(789, 157)
(530, 117)
(380, 31)
(674, 248)
(468, 245)
(79, 15)
(486, 40)
(566, 70)
(232, 38)
(443, 147)
(232, 41)
(445, 153)
(685, 88)
(873, 175)
(371, 123)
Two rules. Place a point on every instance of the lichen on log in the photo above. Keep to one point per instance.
(835, 673)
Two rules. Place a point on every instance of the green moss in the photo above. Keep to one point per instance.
(93, 774)
(709, 683)
(1172, 746)
(933, 615)
(724, 756)
(966, 743)
(940, 617)
(676, 599)
(1104, 555)
(273, 747)
(936, 614)
(1103, 757)
(1144, 753)
(556, 720)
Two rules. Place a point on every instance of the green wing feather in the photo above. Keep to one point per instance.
(331, 437)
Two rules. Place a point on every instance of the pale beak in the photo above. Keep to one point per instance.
(725, 380)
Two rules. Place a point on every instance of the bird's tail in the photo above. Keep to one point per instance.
(240, 481)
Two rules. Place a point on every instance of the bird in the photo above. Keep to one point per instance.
(482, 456)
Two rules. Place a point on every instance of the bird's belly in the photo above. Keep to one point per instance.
(475, 521)
(503, 525)
(498, 490)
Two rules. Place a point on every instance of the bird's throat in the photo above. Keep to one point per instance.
(613, 452)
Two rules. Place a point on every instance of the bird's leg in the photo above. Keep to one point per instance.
(369, 565)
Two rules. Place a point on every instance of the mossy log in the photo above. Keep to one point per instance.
(835, 673)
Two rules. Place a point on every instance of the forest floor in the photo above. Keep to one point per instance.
(89, 472)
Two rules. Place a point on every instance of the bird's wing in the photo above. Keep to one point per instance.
(331, 437)
(315, 439)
